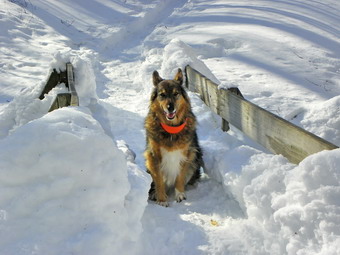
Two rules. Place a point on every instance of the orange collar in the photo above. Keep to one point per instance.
(173, 129)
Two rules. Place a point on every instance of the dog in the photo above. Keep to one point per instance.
(173, 156)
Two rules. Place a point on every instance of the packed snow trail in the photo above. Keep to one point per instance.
(86, 179)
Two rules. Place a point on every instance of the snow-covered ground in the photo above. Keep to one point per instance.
(73, 181)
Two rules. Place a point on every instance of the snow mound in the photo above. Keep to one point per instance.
(63, 184)
(178, 54)
(288, 208)
(295, 209)
(308, 211)
(323, 119)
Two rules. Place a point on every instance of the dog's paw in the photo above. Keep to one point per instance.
(163, 203)
(180, 196)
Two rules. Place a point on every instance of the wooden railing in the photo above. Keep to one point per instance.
(271, 131)
(63, 99)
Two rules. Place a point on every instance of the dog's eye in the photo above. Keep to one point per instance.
(176, 94)
(162, 95)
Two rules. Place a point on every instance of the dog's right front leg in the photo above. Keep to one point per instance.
(153, 165)
(161, 196)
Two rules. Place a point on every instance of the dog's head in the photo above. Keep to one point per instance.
(170, 97)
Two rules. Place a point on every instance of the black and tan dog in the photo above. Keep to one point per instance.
(173, 156)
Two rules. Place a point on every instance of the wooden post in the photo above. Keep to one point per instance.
(62, 99)
(71, 87)
(225, 125)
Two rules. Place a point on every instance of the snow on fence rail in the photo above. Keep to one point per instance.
(62, 99)
(274, 133)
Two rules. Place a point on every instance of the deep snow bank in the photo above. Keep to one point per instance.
(308, 211)
(289, 209)
(27, 106)
(323, 119)
(179, 54)
(63, 184)
(176, 54)
(295, 209)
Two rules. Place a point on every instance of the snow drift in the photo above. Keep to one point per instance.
(63, 181)
(73, 181)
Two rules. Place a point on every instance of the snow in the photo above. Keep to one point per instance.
(59, 174)
(73, 181)
(323, 119)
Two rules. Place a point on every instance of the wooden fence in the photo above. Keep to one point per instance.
(63, 99)
(274, 133)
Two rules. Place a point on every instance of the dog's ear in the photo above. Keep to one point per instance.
(179, 76)
(156, 78)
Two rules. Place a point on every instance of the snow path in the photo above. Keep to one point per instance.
(126, 103)
(187, 222)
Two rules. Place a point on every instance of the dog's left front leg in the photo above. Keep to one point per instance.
(180, 184)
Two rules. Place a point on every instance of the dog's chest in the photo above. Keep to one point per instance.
(171, 164)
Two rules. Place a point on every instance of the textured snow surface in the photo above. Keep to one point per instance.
(73, 181)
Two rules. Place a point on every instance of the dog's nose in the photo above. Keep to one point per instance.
(171, 107)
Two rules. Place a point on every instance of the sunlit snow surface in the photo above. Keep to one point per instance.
(73, 181)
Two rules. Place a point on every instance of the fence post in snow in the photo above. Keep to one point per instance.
(197, 82)
(70, 79)
(62, 99)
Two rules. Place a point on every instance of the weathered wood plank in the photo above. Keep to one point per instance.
(62, 100)
(274, 133)
(71, 86)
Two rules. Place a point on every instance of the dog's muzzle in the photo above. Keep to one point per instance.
(170, 111)
(170, 115)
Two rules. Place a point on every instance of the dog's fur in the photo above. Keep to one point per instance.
(173, 160)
